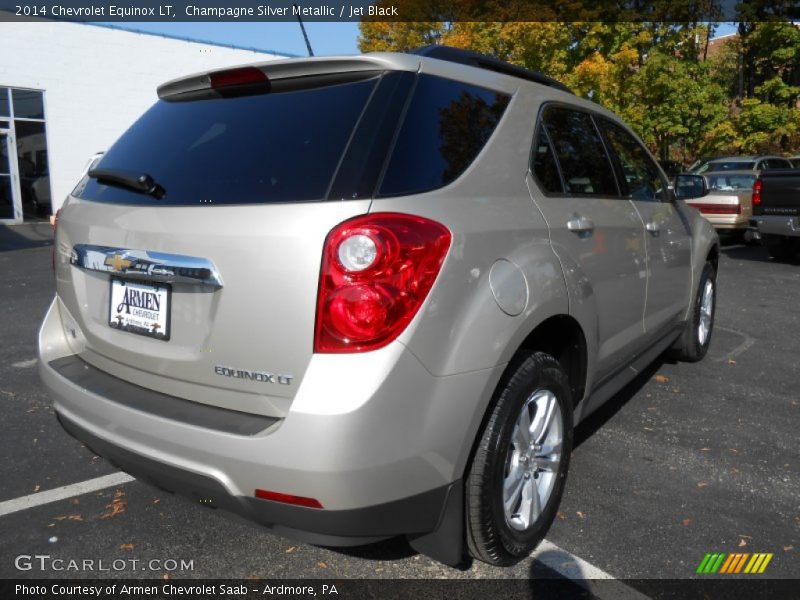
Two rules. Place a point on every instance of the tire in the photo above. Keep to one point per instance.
(506, 455)
(779, 248)
(693, 344)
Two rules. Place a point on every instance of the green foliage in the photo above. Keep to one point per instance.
(683, 101)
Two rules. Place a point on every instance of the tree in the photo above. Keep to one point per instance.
(743, 99)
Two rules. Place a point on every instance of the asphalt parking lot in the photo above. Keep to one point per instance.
(689, 459)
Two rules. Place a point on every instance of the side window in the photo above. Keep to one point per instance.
(641, 177)
(447, 124)
(764, 165)
(543, 164)
(584, 164)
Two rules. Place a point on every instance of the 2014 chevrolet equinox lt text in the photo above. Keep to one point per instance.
(363, 297)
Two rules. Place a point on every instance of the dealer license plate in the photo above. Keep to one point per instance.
(141, 308)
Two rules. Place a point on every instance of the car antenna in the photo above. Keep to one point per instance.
(303, 29)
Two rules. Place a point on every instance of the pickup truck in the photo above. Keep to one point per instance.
(776, 211)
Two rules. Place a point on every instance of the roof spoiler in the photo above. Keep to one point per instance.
(274, 72)
(490, 63)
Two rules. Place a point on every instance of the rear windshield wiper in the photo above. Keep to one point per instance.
(131, 180)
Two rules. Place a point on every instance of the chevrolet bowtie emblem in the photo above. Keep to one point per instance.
(118, 262)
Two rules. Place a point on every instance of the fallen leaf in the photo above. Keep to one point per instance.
(705, 449)
(702, 484)
(561, 516)
(156, 500)
(126, 546)
(734, 450)
(117, 506)
(742, 543)
(580, 514)
(36, 488)
(290, 549)
(661, 378)
(166, 576)
(322, 565)
(787, 548)
(731, 361)
(648, 429)
(686, 522)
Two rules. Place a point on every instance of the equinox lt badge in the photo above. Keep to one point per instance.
(253, 375)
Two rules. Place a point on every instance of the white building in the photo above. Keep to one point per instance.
(68, 90)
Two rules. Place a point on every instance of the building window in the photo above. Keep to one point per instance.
(23, 139)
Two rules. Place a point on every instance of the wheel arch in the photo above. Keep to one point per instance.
(562, 337)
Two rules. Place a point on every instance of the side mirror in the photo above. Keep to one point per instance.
(690, 185)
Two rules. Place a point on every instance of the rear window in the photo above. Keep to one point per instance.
(727, 166)
(731, 183)
(279, 147)
(445, 127)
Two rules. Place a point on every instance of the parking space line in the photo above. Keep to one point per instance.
(547, 553)
(748, 341)
(62, 493)
(584, 573)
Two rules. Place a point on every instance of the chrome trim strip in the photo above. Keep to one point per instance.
(146, 264)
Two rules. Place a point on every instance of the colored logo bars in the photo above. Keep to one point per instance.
(722, 562)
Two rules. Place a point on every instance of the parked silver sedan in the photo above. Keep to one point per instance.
(728, 205)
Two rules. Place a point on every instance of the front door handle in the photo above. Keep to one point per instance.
(652, 227)
(580, 224)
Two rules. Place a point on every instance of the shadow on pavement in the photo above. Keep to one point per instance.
(603, 415)
(26, 235)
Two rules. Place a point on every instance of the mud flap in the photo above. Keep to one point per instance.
(446, 543)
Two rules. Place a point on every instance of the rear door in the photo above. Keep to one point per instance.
(597, 234)
(668, 234)
(202, 282)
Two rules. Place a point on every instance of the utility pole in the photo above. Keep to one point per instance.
(303, 29)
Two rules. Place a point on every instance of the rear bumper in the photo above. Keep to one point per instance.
(776, 225)
(419, 513)
(727, 222)
(382, 462)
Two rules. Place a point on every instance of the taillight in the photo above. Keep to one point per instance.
(55, 230)
(757, 192)
(718, 209)
(377, 270)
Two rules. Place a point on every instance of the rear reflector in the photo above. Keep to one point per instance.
(288, 499)
(55, 231)
(718, 209)
(246, 76)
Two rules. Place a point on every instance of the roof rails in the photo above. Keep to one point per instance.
(490, 63)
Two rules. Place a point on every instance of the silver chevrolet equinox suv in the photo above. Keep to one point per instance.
(361, 297)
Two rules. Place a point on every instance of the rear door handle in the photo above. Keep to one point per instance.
(652, 227)
(580, 224)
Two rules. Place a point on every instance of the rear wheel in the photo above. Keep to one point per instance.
(779, 247)
(517, 476)
(693, 344)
